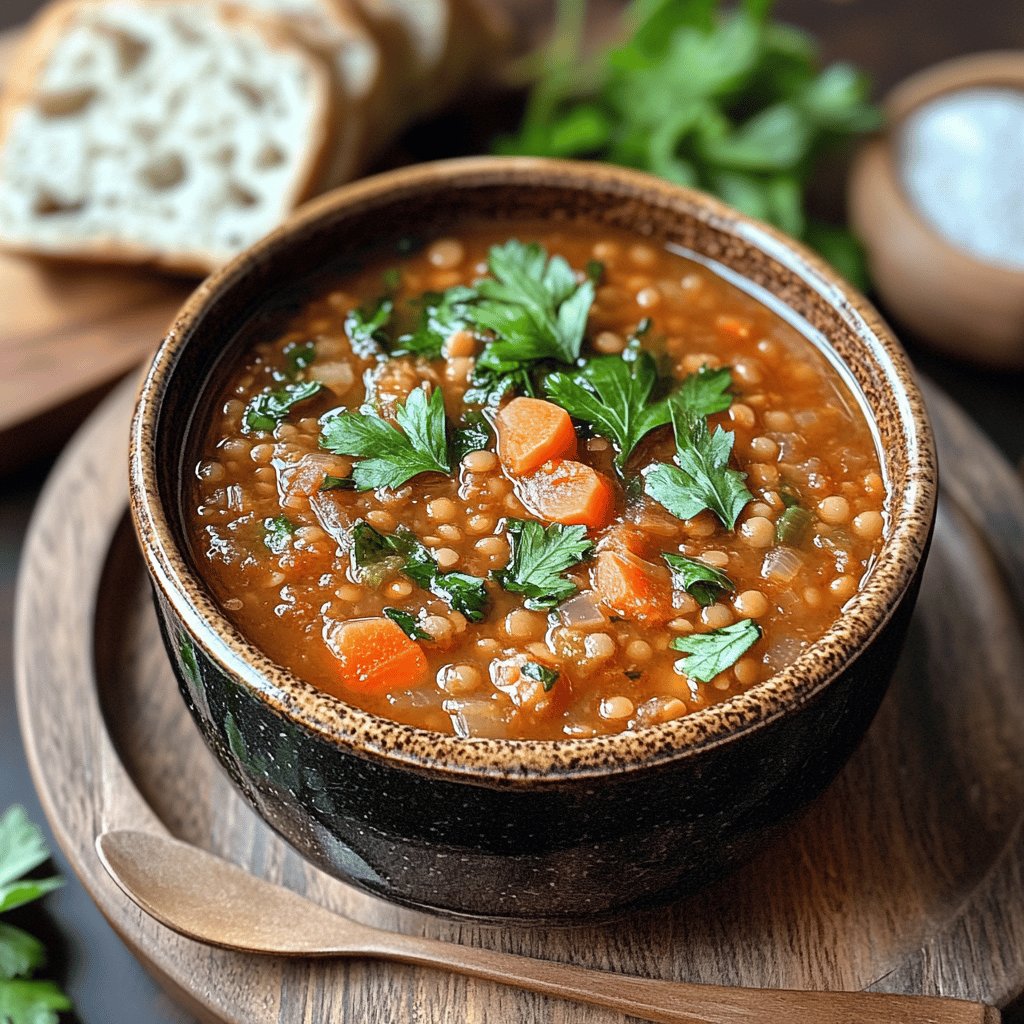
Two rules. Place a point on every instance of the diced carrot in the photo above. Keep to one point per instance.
(375, 655)
(571, 493)
(633, 587)
(532, 432)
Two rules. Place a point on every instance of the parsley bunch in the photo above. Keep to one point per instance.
(22, 999)
(731, 102)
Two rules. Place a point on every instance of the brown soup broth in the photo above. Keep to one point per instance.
(800, 438)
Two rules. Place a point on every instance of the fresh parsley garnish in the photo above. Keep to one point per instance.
(733, 103)
(533, 305)
(714, 652)
(388, 456)
(540, 555)
(547, 677)
(408, 623)
(22, 999)
(337, 483)
(366, 328)
(277, 533)
(493, 380)
(402, 551)
(613, 394)
(703, 582)
(443, 314)
(703, 478)
(299, 356)
(705, 392)
(265, 411)
(472, 435)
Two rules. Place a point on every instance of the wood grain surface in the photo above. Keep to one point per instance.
(907, 876)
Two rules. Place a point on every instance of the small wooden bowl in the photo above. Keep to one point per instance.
(959, 303)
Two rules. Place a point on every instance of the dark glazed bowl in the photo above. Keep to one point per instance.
(562, 831)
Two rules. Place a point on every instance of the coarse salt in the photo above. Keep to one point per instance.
(961, 161)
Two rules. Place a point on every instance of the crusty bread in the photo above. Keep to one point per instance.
(109, 151)
(346, 43)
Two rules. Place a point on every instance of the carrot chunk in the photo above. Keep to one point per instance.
(532, 432)
(633, 587)
(571, 493)
(375, 656)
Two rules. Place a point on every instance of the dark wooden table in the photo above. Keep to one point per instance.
(891, 38)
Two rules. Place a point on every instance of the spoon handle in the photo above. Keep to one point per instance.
(670, 1002)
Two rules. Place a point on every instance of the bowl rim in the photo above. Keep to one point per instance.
(521, 761)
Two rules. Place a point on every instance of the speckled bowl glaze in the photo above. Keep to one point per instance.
(558, 831)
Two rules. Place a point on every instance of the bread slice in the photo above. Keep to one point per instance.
(345, 41)
(166, 132)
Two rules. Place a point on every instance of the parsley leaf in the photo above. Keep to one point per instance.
(389, 457)
(366, 328)
(714, 652)
(23, 1001)
(533, 304)
(613, 393)
(337, 483)
(701, 581)
(31, 1002)
(705, 392)
(539, 557)
(277, 533)
(265, 411)
(703, 478)
(493, 380)
(473, 435)
(547, 677)
(406, 621)
(402, 551)
(299, 356)
(443, 314)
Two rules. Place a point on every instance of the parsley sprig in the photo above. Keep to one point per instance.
(540, 556)
(703, 478)
(367, 328)
(703, 582)
(613, 394)
(402, 551)
(733, 103)
(267, 410)
(24, 1000)
(390, 456)
(443, 314)
(713, 652)
(533, 305)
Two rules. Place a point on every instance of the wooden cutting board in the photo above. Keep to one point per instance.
(906, 876)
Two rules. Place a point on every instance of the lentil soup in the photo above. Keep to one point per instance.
(534, 483)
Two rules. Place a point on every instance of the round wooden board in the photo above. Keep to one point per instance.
(908, 875)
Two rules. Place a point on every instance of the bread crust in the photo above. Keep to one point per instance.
(30, 62)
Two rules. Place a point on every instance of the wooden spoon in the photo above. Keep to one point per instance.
(210, 900)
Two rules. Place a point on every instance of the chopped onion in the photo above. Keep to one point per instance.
(781, 564)
(581, 610)
(477, 717)
(333, 517)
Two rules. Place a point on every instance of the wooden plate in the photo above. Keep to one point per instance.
(908, 875)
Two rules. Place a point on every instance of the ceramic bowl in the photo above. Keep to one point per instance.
(957, 302)
(528, 830)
